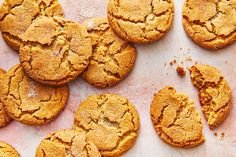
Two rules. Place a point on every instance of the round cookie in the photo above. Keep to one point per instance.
(29, 102)
(214, 93)
(110, 121)
(65, 143)
(210, 23)
(4, 118)
(175, 119)
(17, 15)
(141, 21)
(8, 151)
(112, 59)
(56, 50)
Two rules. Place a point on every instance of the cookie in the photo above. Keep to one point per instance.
(214, 93)
(112, 58)
(8, 151)
(67, 143)
(56, 50)
(17, 15)
(4, 118)
(29, 102)
(210, 23)
(141, 21)
(175, 119)
(110, 121)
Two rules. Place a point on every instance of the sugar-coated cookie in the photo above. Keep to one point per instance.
(110, 121)
(67, 143)
(141, 21)
(214, 93)
(210, 23)
(29, 102)
(8, 151)
(4, 118)
(112, 59)
(56, 50)
(175, 119)
(17, 15)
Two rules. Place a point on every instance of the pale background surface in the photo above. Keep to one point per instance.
(149, 75)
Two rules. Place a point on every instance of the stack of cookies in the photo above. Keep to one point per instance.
(54, 51)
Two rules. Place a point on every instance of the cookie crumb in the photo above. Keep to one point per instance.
(215, 134)
(222, 135)
(181, 72)
(173, 62)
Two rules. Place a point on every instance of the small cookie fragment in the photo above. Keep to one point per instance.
(4, 118)
(214, 93)
(210, 23)
(112, 59)
(181, 72)
(16, 17)
(175, 119)
(141, 21)
(67, 143)
(56, 50)
(29, 102)
(110, 121)
(8, 151)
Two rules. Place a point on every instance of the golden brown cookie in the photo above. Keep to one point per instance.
(56, 50)
(113, 58)
(210, 23)
(8, 151)
(17, 15)
(214, 93)
(141, 21)
(30, 102)
(110, 121)
(4, 118)
(67, 143)
(175, 119)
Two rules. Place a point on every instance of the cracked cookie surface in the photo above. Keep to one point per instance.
(55, 51)
(67, 143)
(110, 121)
(141, 21)
(214, 93)
(29, 102)
(8, 151)
(175, 119)
(17, 15)
(210, 23)
(112, 58)
(4, 118)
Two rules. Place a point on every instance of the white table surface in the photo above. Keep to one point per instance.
(151, 73)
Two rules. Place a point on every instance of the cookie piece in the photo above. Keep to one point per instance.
(29, 102)
(65, 143)
(210, 23)
(4, 118)
(214, 93)
(141, 21)
(17, 15)
(112, 59)
(175, 119)
(110, 121)
(56, 50)
(8, 151)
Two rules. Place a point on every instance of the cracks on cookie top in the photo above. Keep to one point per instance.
(104, 120)
(185, 104)
(206, 100)
(145, 21)
(210, 20)
(19, 97)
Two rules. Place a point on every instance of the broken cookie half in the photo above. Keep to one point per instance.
(214, 93)
(175, 119)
